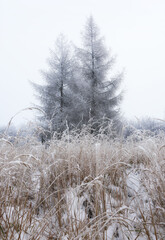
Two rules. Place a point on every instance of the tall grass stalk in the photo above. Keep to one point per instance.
(82, 186)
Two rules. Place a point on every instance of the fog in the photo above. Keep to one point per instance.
(134, 31)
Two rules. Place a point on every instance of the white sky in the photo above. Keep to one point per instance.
(133, 29)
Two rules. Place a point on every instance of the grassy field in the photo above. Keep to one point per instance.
(83, 187)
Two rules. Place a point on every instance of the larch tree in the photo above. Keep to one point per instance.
(101, 93)
(56, 96)
(78, 86)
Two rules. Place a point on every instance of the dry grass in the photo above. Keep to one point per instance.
(82, 187)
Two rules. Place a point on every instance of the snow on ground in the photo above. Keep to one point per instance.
(75, 205)
(78, 192)
(135, 191)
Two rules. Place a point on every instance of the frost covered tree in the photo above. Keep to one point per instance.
(102, 99)
(58, 97)
(78, 87)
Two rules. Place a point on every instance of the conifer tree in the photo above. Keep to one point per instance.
(56, 95)
(101, 95)
(78, 87)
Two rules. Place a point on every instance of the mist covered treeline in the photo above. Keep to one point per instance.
(147, 125)
(80, 86)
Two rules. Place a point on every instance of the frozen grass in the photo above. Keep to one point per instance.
(83, 187)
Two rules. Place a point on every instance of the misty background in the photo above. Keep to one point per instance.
(134, 30)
